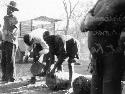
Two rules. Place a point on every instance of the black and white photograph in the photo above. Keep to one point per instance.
(62, 47)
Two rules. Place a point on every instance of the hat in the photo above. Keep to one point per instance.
(12, 5)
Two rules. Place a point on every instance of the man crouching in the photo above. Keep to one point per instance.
(63, 47)
(34, 41)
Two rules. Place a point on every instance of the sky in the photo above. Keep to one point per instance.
(29, 9)
(35, 8)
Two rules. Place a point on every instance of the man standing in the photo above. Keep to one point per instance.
(9, 38)
(105, 23)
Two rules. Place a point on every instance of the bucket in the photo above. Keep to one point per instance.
(37, 68)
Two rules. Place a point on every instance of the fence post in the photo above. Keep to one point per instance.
(20, 28)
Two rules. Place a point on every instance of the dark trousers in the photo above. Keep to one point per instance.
(7, 63)
(70, 52)
(37, 48)
(106, 77)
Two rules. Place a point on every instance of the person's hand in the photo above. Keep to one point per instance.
(44, 51)
(86, 22)
(41, 58)
(88, 19)
(25, 59)
(82, 27)
(41, 52)
(52, 70)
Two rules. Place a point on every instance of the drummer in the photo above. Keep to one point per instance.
(35, 38)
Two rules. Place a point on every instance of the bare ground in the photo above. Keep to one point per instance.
(21, 86)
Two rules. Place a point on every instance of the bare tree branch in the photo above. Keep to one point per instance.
(65, 7)
(74, 8)
(69, 10)
(70, 6)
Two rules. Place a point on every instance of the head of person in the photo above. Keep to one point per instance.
(11, 8)
(46, 34)
(27, 40)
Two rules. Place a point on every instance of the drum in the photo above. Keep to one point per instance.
(58, 81)
(37, 68)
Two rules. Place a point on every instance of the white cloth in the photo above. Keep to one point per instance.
(37, 36)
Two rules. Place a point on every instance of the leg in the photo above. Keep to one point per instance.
(46, 57)
(47, 61)
(60, 67)
(58, 64)
(3, 62)
(112, 74)
(72, 51)
(52, 59)
(61, 59)
(10, 66)
(77, 51)
(14, 50)
(96, 83)
(71, 70)
(36, 56)
(36, 49)
(3, 67)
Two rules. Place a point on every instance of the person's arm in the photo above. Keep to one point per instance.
(5, 26)
(27, 53)
(14, 24)
(13, 28)
(89, 22)
(92, 22)
(45, 47)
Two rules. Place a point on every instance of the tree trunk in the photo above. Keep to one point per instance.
(67, 27)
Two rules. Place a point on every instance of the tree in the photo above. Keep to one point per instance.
(69, 9)
(79, 14)
(76, 19)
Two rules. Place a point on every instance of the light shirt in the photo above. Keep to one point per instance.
(67, 38)
(37, 36)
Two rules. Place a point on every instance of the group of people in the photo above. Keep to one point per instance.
(105, 26)
(44, 46)
(48, 46)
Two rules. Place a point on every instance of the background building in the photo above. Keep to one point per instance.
(29, 25)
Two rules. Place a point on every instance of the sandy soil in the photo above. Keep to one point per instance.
(21, 85)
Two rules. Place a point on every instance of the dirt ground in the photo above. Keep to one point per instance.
(23, 74)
